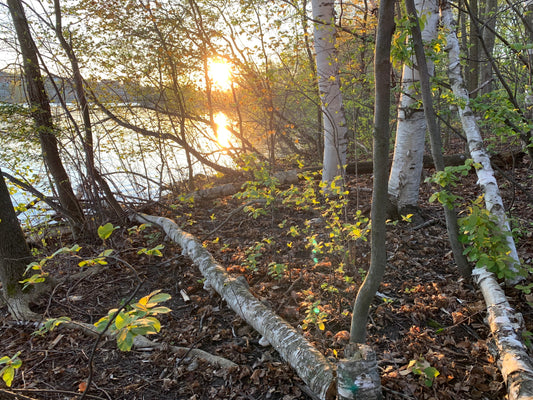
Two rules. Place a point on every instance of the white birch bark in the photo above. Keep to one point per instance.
(334, 121)
(406, 170)
(305, 359)
(504, 322)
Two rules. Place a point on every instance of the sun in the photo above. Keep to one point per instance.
(223, 134)
(219, 73)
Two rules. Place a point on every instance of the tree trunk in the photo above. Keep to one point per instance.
(312, 65)
(474, 49)
(485, 173)
(95, 178)
(405, 175)
(14, 256)
(434, 135)
(504, 322)
(305, 359)
(40, 112)
(378, 260)
(490, 9)
(370, 388)
(334, 122)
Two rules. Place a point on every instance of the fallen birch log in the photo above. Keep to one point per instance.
(292, 176)
(306, 360)
(505, 324)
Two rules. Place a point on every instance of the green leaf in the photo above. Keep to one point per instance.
(8, 373)
(105, 231)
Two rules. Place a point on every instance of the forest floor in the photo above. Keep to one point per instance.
(425, 311)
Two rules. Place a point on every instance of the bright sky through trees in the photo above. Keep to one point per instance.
(220, 74)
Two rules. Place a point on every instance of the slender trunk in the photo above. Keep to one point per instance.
(474, 50)
(42, 116)
(489, 13)
(434, 135)
(88, 146)
(378, 260)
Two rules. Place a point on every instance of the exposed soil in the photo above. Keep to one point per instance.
(425, 311)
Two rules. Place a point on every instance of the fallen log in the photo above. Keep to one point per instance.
(292, 176)
(314, 369)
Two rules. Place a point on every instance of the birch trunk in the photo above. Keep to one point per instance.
(306, 360)
(486, 179)
(504, 322)
(334, 122)
(405, 175)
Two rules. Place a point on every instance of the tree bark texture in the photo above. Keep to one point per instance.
(305, 359)
(405, 175)
(505, 324)
(42, 116)
(334, 121)
(14, 254)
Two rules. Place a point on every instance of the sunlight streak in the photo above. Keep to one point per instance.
(223, 134)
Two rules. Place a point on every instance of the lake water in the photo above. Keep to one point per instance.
(134, 165)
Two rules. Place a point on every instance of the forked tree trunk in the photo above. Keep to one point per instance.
(333, 119)
(505, 324)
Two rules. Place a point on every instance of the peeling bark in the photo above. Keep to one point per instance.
(504, 322)
(305, 359)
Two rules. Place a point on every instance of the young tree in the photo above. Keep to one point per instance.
(334, 122)
(378, 259)
(42, 117)
(406, 170)
(14, 256)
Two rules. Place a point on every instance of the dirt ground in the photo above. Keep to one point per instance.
(425, 311)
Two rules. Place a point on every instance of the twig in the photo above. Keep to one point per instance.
(238, 209)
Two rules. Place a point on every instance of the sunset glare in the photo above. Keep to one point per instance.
(220, 74)
(223, 134)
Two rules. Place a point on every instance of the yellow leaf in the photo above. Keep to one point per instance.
(321, 326)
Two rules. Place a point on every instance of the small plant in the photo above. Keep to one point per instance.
(50, 324)
(315, 315)
(253, 254)
(277, 269)
(423, 369)
(10, 365)
(156, 251)
(485, 243)
(41, 274)
(139, 320)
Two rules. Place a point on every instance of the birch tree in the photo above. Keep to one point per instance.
(405, 175)
(334, 122)
(515, 364)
